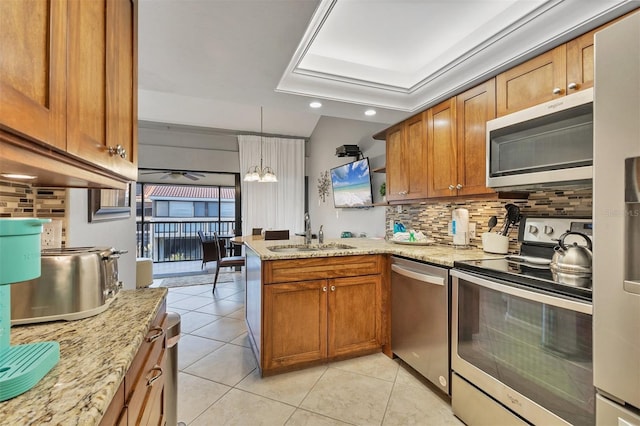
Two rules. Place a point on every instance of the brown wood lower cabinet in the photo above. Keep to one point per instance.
(325, 317)
(140, 397)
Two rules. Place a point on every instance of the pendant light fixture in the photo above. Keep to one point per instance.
(259, 173)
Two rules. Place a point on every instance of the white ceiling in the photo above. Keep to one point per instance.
(213, 63)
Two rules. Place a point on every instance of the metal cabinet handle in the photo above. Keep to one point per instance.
(459, 186)
(557, 91)
(425, 278)
(118, 150)
(159, 333)
(333, 288)
(324, 288)
(155, 376)
(402, 193)
(572, 86)
(451, 187)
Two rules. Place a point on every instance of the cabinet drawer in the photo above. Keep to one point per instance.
(144, 380)
(281, 271)
(145, 406)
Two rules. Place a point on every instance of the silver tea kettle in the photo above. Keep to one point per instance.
(572, 259)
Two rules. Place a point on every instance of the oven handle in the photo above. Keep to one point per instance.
(572, 305)
(430, 279)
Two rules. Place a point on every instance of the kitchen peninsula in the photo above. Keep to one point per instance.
(95, 355)
(308, 306)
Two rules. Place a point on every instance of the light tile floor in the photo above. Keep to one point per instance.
(219, 384)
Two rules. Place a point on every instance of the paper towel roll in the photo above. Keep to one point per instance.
(460, 227)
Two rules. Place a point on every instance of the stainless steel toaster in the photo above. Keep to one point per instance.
(75, 283)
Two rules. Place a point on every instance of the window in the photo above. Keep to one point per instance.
(180, 208)
(162, 209)
(199, 209)
(228, 210)
(212, 209)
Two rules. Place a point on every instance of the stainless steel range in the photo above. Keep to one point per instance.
(522, 331)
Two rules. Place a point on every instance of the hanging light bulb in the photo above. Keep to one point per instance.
(259, 173)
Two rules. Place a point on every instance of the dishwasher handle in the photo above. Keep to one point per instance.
(429, 279)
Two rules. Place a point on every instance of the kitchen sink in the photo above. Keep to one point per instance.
(295, 248)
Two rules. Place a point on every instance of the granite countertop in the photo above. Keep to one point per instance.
(438, 254)
(95, 354)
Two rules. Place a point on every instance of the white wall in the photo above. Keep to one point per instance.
(185, 149)
(329, 134)
(120, 234)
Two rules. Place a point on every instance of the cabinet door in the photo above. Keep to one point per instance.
(580, 63)
(295, 323)
(416, 156)
(122, 86)
(397, 176)
(441, 127)
(101, 83)
(33, 79)
(538, 80)
(473, 109)
(355, 322)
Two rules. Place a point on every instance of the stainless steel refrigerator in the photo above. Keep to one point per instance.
(616, 221)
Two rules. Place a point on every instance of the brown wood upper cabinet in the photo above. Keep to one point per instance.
(71, 82)
(559, 72)
(538, 80)
(474, 108)
(457, 142)
(101, 106)
(441, 149)
(407, 160)
(32, 71)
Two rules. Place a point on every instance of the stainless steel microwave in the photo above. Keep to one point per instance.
(547, 145)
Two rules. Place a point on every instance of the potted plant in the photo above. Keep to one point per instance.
(383, 191)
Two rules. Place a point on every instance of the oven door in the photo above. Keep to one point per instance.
(530, 351)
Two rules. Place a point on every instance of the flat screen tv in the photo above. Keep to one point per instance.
(351, 184)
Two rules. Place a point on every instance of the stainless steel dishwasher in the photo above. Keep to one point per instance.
(420, 318)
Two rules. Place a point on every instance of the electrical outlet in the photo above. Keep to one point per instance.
(472, 230)
(51, 236)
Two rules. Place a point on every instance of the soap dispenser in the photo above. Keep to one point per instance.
(320, 235)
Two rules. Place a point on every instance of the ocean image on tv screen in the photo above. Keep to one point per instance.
(352, 184)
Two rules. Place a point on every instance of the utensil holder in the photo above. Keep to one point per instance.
(495, 243)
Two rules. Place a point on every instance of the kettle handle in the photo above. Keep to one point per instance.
(586, 238)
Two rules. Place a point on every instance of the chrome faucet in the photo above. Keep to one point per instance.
(307, 228)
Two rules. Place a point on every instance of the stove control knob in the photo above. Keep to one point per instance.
(533, 229)
(548, 230)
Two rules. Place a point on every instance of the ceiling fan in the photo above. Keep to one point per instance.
(175, 174)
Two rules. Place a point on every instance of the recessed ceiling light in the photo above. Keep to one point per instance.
(370, 112)
(16, 176)
(315, 104)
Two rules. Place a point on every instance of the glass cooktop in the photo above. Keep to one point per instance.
(530, 275)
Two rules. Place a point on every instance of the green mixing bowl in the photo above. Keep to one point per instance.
(20, 249)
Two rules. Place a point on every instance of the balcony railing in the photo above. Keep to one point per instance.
(177, 241)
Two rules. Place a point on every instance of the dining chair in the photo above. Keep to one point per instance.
(224, 261)
(211, 249)
(278, 234)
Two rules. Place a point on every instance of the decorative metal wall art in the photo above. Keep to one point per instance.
(323, 185)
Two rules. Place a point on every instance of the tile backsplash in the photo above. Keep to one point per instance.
(19, 199)
(433, 218)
